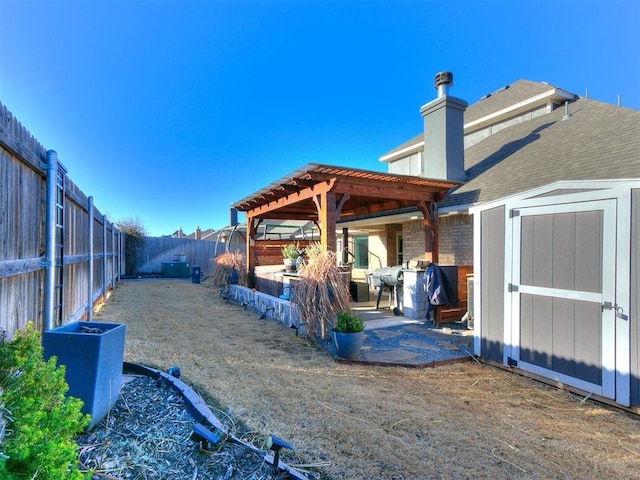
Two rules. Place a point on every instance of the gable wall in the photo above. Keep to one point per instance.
(476, 137)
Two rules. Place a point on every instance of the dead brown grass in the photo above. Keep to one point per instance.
(356, 422)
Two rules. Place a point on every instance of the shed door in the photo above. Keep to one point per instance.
(562, 274)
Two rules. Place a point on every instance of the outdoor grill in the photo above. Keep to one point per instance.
(391, 277)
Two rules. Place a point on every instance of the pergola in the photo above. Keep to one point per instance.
(326, 194)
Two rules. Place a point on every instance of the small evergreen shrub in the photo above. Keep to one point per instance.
(348, 322)
(41, 422)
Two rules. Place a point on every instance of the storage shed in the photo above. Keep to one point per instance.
(556, 285)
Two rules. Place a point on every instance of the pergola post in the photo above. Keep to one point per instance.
(251, 245)
(430, 223)
(328, 216)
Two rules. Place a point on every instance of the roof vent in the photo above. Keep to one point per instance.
(566, 115)
(442, 82)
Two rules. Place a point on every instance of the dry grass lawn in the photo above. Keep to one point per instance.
(462, 421)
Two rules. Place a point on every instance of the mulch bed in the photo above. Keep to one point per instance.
(147, 436)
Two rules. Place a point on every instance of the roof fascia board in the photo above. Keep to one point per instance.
(524, 105)
(454, 209)
(409, 150)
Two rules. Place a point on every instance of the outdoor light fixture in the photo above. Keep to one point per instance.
(276, 444)
(203, 435)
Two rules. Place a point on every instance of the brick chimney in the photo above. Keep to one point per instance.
(198, 233)
(444, 133)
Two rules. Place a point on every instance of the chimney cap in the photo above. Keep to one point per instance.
(443, 78)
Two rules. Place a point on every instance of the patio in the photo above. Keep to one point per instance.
(398, 341)
(392, 340)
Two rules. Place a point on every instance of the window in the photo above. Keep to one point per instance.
(399, 256)
(361, 251)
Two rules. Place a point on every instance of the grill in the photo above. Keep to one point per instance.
(391, 277)
(388, 276)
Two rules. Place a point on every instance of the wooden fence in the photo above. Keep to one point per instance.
(158, 250)
(58, 253)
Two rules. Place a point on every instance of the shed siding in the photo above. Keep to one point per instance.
(635, 297)
(575, 263)
(492, 283)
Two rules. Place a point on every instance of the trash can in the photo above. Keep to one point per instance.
(195, 277)
(92, 354)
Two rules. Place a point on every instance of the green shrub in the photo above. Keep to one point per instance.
(3, 422)
(41, 423)
(348, 322)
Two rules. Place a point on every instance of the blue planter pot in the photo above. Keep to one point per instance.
(93, 363)
(348, 345)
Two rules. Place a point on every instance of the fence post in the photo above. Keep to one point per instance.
(113, 256)
(50, 242)
(104, 258)
(90, 267)
(119, 266)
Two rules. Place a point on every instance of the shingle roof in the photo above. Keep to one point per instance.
(500, 99)
(599, 141)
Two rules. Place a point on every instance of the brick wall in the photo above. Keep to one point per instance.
(413, 239)
(455, 240)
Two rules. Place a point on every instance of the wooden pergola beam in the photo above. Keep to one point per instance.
(292, 198)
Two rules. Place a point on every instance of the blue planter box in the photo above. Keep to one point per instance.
(93, 363)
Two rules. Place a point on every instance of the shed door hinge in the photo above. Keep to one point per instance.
(514, 213)
(511, 362)
(513, 288)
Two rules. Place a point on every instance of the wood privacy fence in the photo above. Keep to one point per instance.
(58, 253)
(158, 250)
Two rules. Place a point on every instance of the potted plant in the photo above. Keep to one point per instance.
(290, 254)
(348, 333)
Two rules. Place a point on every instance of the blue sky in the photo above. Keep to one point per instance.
(169, 111)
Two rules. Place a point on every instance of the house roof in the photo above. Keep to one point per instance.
(506, 101)
(598, 141)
